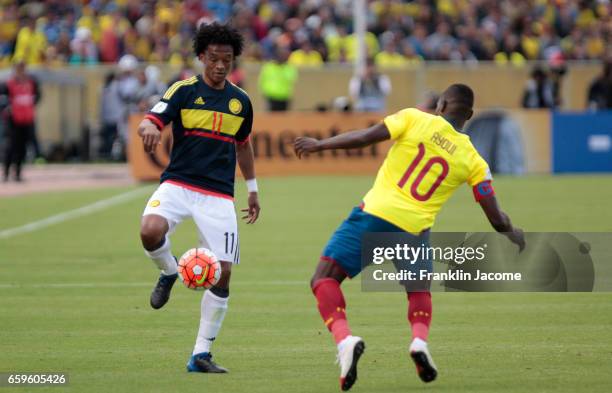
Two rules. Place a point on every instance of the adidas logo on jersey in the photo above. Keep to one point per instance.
(199, 101)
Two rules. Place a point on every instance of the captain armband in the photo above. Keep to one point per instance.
(482, 190)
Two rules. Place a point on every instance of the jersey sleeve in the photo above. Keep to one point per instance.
(167, 109)
(242, 136)
(399, 122)
(479, 170)
(480, 178)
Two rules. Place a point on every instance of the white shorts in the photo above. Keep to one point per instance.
(214, 217)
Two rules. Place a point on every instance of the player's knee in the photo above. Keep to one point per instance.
(326, 270)
(151, 235)
(316, 278)
(224, 280)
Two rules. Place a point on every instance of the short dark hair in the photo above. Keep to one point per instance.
(460, 94)
(217, 34)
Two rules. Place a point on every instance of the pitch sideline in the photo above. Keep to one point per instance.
(72, 214)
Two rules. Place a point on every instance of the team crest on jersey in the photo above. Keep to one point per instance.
(199, 101)
(235, 106)
(154, 203)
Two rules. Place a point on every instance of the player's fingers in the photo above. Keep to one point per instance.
(146, 143)
(255, 214)
(151, 141)
(252, 216)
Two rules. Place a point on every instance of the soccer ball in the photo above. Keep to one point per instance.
(199, 269)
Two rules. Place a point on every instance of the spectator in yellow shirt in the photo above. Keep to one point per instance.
(510, 53)
(31, 43)
(336, 44)
(390, 57)
(371, 42)
(530, 44)
(306, 56)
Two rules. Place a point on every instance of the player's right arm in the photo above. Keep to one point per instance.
(392, 127)
(150, 134)
(349, 140)
(162, 113)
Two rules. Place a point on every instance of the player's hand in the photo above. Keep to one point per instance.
(517, 237)
(150, 135)
(304, 145)
(253, 209)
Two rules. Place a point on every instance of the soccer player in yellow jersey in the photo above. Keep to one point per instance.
(429, 160)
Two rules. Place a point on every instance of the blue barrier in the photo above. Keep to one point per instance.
(582, 142)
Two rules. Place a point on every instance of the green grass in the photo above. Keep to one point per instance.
(108, 339)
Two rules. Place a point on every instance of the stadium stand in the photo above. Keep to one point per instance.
(400, 32)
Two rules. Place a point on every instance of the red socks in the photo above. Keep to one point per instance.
(331, 306)
(419, 313)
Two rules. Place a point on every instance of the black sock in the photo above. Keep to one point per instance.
(220, 292)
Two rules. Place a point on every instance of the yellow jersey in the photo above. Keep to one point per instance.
(427, 163)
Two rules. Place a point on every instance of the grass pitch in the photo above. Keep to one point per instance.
(74, 298)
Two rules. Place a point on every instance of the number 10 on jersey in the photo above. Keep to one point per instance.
(422, 173)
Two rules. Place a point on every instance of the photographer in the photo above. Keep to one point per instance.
(370, 91)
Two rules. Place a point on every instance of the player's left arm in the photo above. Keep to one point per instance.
(501, 222)
(484, 193)
(246, 163)
(349, 140)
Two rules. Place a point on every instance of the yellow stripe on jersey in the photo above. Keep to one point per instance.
(170, 92)
(211, 120)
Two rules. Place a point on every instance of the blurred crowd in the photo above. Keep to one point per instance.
(129, 89)
(400, 33)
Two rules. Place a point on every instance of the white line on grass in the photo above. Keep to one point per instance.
(134, 284)
(72, 214)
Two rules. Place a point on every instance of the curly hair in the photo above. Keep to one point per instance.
(217, 34)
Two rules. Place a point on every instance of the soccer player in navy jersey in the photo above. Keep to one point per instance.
(211, 122)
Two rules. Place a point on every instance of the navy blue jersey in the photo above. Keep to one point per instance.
(206, 125)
